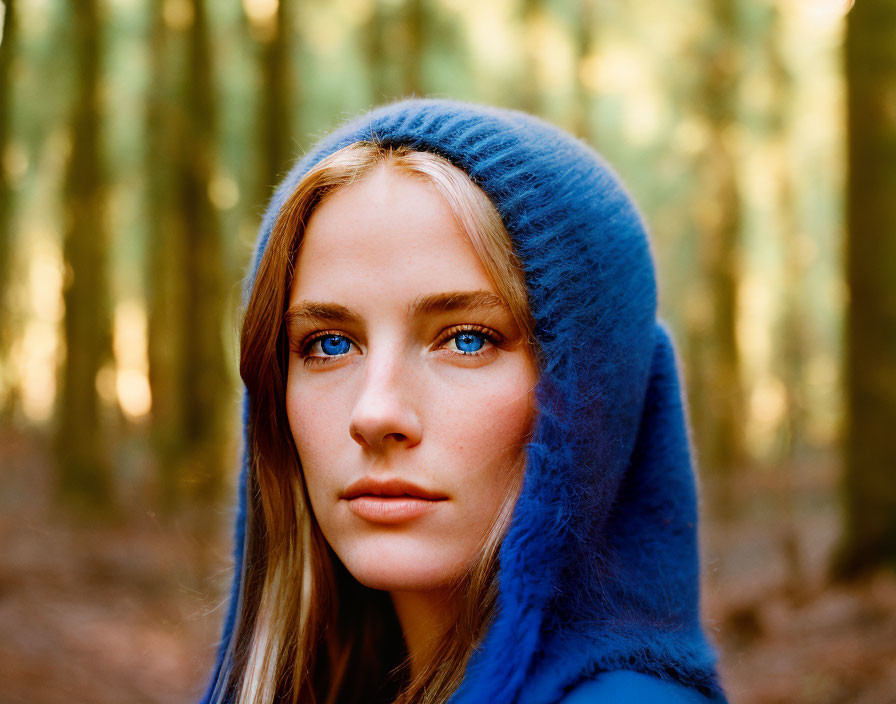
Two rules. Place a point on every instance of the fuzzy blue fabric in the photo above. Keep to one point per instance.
(634, 688)
(599, 569)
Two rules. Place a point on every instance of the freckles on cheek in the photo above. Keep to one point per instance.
(314, 431)
(309, 417)
(312, 411)
(494, 426)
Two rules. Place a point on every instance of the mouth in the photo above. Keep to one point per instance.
(390, 501)
(391, 509)
(390, 488)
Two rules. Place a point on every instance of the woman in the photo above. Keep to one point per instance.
(467, 474)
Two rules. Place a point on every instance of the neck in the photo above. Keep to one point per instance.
(424, 617)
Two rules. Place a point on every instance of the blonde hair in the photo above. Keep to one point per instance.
(306, 630)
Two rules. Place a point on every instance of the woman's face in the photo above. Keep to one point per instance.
(407, 375)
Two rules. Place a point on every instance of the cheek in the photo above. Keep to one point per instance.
(488, 458)
(490, 429)
(314, 421)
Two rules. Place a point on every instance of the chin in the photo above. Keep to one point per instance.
(393, 565)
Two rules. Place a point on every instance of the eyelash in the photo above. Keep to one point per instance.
(490, 337)
(306, 346)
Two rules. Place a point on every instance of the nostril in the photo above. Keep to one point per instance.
(376, 439)
(377, 418)
(357, 437)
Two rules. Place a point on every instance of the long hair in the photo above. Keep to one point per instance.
(306, 630)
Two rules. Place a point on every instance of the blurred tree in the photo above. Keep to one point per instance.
(8, 45)
(532, 15)
(719, 220)
(585, 34)
(190, 388)
(791, 324)
(375, 54)
(396, 41)
(870, 444)
(165, 287)
(415, 21)
(81, 449)
(203, 385)
(278, 86)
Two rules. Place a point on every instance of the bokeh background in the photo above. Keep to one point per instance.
(139, 143)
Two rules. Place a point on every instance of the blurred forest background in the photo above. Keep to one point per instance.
(139, 143)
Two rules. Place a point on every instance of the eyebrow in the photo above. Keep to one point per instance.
(323, 313)
(455, 300)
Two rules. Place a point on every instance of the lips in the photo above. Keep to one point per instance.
(368, 486)
(390, 501)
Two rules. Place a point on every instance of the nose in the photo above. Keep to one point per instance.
(385, 413)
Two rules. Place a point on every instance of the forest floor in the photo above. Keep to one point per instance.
(128, 611)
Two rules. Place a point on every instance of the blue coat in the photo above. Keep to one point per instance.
(628, 687)
(599, 573)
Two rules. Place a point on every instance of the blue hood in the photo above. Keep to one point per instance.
(599, 569)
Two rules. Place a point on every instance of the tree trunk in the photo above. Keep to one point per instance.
(530, 96)
(869, 488)
(7, 47)
(276, 108)
(585, 38)
(791, 334)
(415, 33)
(165, 284)
(204, 387)
(375, 53)
(81, 449)
(191, 389)
(719, 222)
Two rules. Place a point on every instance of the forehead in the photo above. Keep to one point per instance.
(389, 234)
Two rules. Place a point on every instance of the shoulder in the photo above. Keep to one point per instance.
(634, 688)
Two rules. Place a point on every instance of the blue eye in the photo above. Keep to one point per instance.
(469, 342)
(333, 345)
